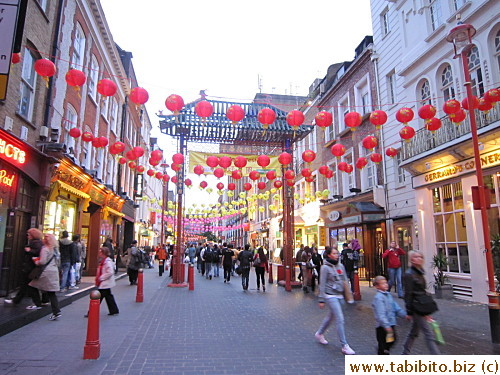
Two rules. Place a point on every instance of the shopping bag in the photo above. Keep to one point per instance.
(437, 332)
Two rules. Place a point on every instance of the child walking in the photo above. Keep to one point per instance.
(386, 310)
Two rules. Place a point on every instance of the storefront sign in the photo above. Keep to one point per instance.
(490, 159)
(5, 179)
(322, 236)
(373, 217)
(351, 220)
(334, 215)
(311, 230)
(12, 152)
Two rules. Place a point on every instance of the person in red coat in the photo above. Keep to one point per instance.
(393, 256)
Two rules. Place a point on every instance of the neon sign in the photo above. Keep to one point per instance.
(12, 152)
(5, 179)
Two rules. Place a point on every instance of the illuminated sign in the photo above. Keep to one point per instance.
(12, 152)
(5, 179)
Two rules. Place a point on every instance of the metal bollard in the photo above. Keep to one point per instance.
(139, 297)
(191, 276)
(92, 348)
(288, 285)
(270, 281)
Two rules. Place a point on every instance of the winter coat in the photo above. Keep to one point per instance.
(245, 258)
(134, 262)
(35, 248)
(68, 251)
(331, 282)
(414, 284)
(107, 278)
(392, 255)
(386, 309)
(49, 279)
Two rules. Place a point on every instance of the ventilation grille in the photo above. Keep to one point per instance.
(462, 292)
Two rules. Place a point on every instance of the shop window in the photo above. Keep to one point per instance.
(25, 196)
(28, 85)
(450, 228)
(59, 216)
(476, 72)
(492, 183)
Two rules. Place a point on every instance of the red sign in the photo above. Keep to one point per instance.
(12, 152)
(6, 179)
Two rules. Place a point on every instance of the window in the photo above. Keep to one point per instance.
(451, 234)
(365, 102)
(384, 22)
(100, 163)
(391, 88)
(400, 172)
(333, 185)
(349, 180)
(425, 93)
(93, 77)
(476, 73)
(447, 89)
(86, 154)
(369, 172)
(78, 48)
(457, 4)
(104, 107)
(362, 96)
(43, 4)
(70, 122)
(28, 83)
(435, 13)
(113, 115)
(330, 131)
(343, 109)
(497, 50)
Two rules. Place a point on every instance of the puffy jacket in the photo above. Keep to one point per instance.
(107, 277)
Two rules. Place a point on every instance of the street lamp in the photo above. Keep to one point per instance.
(461, 37)
(164, 195)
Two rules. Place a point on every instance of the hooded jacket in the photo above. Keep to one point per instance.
(331, 282)
(67, 249)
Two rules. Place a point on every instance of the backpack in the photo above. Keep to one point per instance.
(215, 256)
(142, 257)
(257, 261)
(208, 255)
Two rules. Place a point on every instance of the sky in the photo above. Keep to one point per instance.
(224, 46)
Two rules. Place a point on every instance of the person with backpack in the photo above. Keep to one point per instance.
(261, 266)
(199, 262)
(68, 251)
(133, 263)
(245, 258)
(227, 262)
(206, 256)
(216, 253)
(348, 260)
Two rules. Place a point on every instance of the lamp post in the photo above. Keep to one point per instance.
(164, 196)
(461, 37)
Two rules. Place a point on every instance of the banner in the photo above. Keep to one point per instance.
(200, 158)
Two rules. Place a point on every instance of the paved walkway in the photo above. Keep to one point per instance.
(218, 329)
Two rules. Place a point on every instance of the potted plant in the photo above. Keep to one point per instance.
(439, 263)
(495, 251)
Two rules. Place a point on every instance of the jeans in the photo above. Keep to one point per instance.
(419, 323)
(78, 271)
(395, 279)
(245, 275)
(259, 272)
(66, 275)
(227, 272)
(334, 311)
(215, 267)
(208, 269)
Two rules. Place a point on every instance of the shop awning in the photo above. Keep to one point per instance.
(59, 185)
(367, 207)
(110, 211)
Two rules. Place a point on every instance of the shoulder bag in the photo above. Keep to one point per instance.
(424, 304)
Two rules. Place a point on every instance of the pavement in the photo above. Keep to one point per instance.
(219, 329)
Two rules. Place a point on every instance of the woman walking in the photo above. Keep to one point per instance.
(105, 279)
(331, 293)
(48, 281)
(261, 266)
(419, 304)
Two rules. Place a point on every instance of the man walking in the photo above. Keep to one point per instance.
(67, 249)
(206, 256)
(245, 258)
(393, 255)
(133, 263)
(227, 262)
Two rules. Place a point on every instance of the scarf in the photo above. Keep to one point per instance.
(334, 262)
(99, 272)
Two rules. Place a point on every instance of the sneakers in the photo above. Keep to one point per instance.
(8, 301)
(55, 316)
(346, 349)
(33, 307)
(321, 339)
(45, 303)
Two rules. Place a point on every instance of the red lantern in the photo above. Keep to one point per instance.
(103, 141)
(492, 95)
(254, 175)
(166, 178)
(176, 167)
(475, 103)
(391, 152)
(266, 117)
(271, 175)
(154, 162)
(348, 168)
(295, 119)
(338, 150)
(376, 157)
(188, 182)
(353, 120)
(289, 174)
(310, 179)
(204, 109)
(404, 115)
(156, 155)
(341, 166)
(220, 186)
(306, 172)
(96, 143)
(174, 103)
(323, 119)
(247, 186)
(138, 95)
(105, 87)
(16, 58)
(199, 170)
(426, 112)
(290, 183)
(246, 227)
(378, 118)
(285, 158)
(122, 160)
(433, 124)
(178, 158)
(261, 185)
(75, 132)
(361, 162)
(219, 172)
(75, 78)
(45, 68)
(370, 142)
(203, 184)
(329, 173)
(150, 172)
(87, 137)
(119, 146)
(451, 106)
(484, 105)
(236, 174)
(140, 169)
(308, 156)
(225, 162)
(263, 160)
(138, 151)
(458, 117)
(130, 155)
(235, 113)
(174, 179)
(159, 175)
(323, 169)
(278, 184)
(407, 133)
(231, 186)
(212, 161)
(240, 162)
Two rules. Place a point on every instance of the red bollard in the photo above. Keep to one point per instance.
(270, 281)
(357, 290)
(191, 276)
(92, 348)
(139, 297)
(288, 285)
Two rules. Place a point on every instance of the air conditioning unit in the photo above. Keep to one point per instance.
(24, 133)
(44, 131)
(8, 123)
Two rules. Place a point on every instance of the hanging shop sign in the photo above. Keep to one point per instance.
(322, 236)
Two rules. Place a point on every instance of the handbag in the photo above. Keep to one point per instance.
(424, 304)
(238, 270)
(38, 270)
(256, 262)
(348, 293)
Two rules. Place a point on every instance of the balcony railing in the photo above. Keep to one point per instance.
(425, 140)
